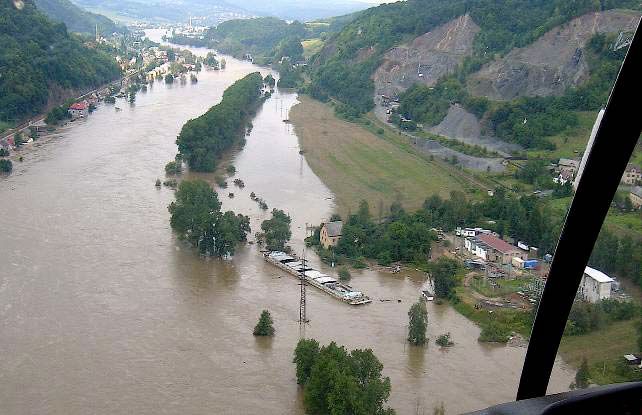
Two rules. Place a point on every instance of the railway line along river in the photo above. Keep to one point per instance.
(103, 311)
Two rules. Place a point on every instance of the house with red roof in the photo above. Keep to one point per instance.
(492, 249)
(79, 110)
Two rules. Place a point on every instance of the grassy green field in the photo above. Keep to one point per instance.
(311, 46)
(569, 144)
(357, 164)
(505, 287)
(603, 349)
(629, 223)
(514, 320)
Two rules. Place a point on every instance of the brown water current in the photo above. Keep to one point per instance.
(104, 311)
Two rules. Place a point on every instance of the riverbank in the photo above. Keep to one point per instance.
(357, 164)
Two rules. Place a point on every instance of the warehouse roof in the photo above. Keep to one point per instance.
(496, 243)
(598, 276)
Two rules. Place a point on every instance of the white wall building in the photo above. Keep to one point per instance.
(595, 285)
(476, 248)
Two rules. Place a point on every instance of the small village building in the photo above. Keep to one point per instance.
(568, 167)
(635, 196)
(492, 249)
(79, 110)
(595, 285)
(632, 175)
(330, 233)
(4, 143)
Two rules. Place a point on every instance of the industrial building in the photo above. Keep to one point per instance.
(492, 249)
(595, 286)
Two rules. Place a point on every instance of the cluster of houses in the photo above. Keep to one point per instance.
(566, 171)
(489, 247)
(486, 245)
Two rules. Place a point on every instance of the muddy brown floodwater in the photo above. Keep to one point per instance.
(103, 311)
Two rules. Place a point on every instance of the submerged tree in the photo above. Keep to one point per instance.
(265, 325)
(277, 230)
(197, 217)
(439, 410)
(305, 355)
(418, 320)
(344, 274)
(444, 340)
(338, 382)
(6, 166)
(269, 80)
(443, 272)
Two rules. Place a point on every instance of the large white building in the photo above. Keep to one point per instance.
(595, 285)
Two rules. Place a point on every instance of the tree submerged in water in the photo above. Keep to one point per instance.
(444, 340)
(276, 230)
(265, 325)
(344, 274)
(197, 217)
(337, 382)
(418, 321)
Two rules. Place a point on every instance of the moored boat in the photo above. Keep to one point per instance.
(326, 283)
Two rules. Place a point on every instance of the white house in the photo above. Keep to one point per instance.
(478, 249)
(595, 285)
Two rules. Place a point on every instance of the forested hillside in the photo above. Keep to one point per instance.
(267, 38)
(38, 56)
(75, 18)
(344, 69)
(256, 36)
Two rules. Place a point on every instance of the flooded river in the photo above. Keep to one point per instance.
(103, 311)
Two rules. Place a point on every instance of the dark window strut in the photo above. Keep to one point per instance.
(613, 145)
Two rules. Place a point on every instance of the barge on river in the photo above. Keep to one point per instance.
(323, 282)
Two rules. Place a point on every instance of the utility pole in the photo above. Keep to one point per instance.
(302, 302)
(303, 320)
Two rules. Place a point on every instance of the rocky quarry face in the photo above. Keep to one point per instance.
(427, 58)
(552, 63)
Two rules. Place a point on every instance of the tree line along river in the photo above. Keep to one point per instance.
(103, 311)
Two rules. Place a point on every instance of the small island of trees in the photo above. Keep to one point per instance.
(196, 216)
(336, 381)
(203, 139)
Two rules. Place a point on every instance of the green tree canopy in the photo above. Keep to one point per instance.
(265, 325)
(203, 139)
(305, 355)
(444, 275)
(337, 382)
(196, 216)
(418, 322)
(277, 230)
(38, 56)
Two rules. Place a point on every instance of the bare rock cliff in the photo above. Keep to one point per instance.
(552, 63)
(427, 58)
